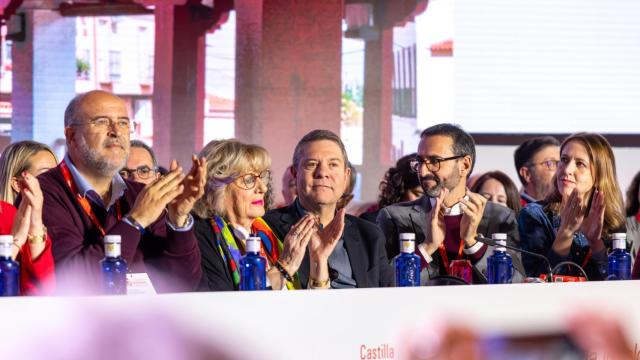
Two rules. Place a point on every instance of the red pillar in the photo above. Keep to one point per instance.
(288, 78)
(179, 74)
(377, 147)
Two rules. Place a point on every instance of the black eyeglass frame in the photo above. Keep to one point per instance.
(432, 164)
(139, 172)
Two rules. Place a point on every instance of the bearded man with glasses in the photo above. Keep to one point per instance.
(86, 199)
(447, 219)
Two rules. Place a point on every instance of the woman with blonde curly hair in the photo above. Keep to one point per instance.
(576, 220)
(236, 196)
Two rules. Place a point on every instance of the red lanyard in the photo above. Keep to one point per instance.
(84, 203)
(586, 258)
(445, 258)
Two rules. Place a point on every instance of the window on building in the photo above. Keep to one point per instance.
(83, 65)
(115, 66)
(149, 71)
(114, 24)
(7, 50)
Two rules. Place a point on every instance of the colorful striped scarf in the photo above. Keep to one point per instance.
(233, 250)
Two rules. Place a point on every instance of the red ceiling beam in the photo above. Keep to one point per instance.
(8, 8)
(103, 8)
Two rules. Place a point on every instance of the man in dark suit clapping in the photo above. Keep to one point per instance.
(447, 219)
(346, 252)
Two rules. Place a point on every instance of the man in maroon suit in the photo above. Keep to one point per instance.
(85, 199)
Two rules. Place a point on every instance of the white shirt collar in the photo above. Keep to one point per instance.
(118, 185)
(240, 233)
(455, 210)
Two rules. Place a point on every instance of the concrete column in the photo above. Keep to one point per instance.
(288, 61)
(179, 73)
(44, 75)
(378, 104)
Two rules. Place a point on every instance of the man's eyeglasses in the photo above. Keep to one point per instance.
(143, 172)
(433, 164)
(248, 181)
(104, 124)
(549, 164)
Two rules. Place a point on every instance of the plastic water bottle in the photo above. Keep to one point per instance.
(499, 264)
(619, 259)
(9, 269)
(114, 267)
(407, 262)
(253, 267)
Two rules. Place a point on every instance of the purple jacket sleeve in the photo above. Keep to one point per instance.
(170, 257)
(178, 266)
(77, 248)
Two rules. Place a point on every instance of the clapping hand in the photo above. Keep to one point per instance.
(572, 213)
(472, 209)
(193, 185)
(435, 224)
(295, 243)
(593, 223)
(324, 240)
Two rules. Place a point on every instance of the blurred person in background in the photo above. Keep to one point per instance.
(632, 208)
(584, 208)
(498, 187)
(347, 196)
(289, 191)
(536, 160)
(20, 163)
(238, 178)
(400, 183)
(633, 223)
(587, 335)
(141, 165)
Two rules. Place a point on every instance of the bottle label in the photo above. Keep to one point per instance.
(408, 246)
(112, 249)
(620, 244)
(6, 249)
(139, 284)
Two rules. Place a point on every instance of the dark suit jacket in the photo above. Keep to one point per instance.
(411, 217)
(216, 275)
(363, 241)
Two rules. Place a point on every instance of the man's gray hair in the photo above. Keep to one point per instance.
(71, 112)
(141, 145)
(317, 135)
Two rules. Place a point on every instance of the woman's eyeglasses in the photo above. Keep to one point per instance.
(248, 181)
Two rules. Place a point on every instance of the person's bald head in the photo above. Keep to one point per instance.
(97, 128)
(74, 110)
